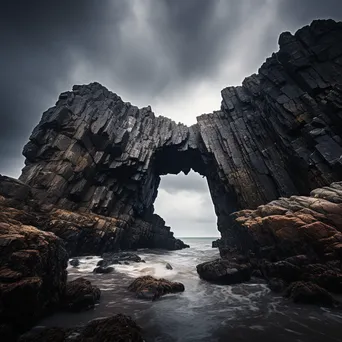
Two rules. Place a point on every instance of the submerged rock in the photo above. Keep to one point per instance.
(168, 266)
(276, 285)
(104, 270)
(309, 293)
(119, 258)
(118, 328)
(45, 335)
(80, 295)
(177, 244)
(216, 243)
(147, 287)
(224, 271)
(74, 262)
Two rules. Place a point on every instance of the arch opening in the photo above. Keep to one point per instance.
(185, 204)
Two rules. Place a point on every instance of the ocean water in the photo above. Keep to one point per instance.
(204, 312)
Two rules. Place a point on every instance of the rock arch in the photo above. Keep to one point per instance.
(278, 134)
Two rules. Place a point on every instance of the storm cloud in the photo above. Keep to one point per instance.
(175, 55)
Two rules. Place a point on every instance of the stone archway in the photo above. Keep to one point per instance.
(276, 135)
(95, 153)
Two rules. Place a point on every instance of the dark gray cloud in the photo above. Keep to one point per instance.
(39, 39)
(193, 33)
(151, 51)
(173, 54)
(302, 12)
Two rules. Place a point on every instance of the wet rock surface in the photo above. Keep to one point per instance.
(83, 233)
(309, 293)
(119, 258)
(277, 285)
(216, 243)
(118, 328)
(80, 295)
(103, 270)
(32, 274)
(74, 262)
(224, 271)
(289, 240)
(150, 288)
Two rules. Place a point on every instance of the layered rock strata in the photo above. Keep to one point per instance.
(279, 134)
(290, 240)
(299, 225)
(32, 274)
(83, 233)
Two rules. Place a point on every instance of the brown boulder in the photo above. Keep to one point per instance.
(45, 335)
(276, 285)
(118, 328)
(281, 269)
(309, 293)
(147, 287)
(80, 295)
(287, 227)
(328, 276)
(32, 274)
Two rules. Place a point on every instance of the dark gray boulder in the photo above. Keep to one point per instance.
(104, 270)
(224, 271)
(74, 262)
(119, 258)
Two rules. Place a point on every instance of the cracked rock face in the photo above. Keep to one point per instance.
(32, 274)
(299, 225)
(279, 134)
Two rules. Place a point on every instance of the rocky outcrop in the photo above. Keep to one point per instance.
(150, 288)
(216, 243)
(84, 233)
(279, 134)
(33, 262)
(293, 243)
(118, 328)
(309, 227)
(32, 275)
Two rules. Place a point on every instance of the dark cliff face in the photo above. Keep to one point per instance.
(279, 134)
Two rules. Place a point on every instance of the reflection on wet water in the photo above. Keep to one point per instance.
(204, 312)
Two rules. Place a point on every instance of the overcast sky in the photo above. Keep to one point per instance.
(175, 55)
